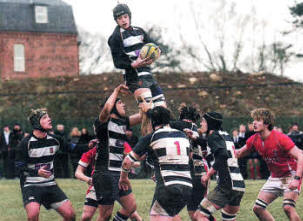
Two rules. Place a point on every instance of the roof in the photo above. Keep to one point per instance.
(19, 15)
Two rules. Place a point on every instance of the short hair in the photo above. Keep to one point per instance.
(264, 114)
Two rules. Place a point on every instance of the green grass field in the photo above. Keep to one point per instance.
(11, 207)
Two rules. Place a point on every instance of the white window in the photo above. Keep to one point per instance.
(41, 14)
(19, 58)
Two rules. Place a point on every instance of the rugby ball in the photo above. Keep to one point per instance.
(150, 50)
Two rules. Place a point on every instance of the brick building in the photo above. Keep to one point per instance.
(38, 38)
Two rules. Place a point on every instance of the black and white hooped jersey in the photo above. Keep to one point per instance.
(226, 164)
(133, 40)
(125, 46)
(110, 150)
(198, 164)
(34, 153)
(170, 149)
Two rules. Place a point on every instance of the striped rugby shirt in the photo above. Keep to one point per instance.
(112, 136)
(226, 164)
(198, 164)
(34, 153)
(125, 47)
(170, 149)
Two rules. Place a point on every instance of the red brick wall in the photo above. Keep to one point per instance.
(46, 55)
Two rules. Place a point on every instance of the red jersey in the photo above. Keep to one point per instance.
(274, 150)
(88, 158)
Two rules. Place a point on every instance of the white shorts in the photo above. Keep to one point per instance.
(279, 185)
(90, 198)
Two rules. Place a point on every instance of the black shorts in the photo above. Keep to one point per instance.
(145, 81)
(107, 188)
(51, 197)
(198, 193)
(172, 198)
(91, 202)
(222, 197)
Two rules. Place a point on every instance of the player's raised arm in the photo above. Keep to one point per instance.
(110, 102)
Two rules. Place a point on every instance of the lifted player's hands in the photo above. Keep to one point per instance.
(141, 62)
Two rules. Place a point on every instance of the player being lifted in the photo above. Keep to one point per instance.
(125, 44)
(170, 151)
(284, 161)
(230, 187)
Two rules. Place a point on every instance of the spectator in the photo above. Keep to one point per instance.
(75, 154)
(85, 137)
(235, 135)
(16, 137)
(241, 142)
(296, 135)
(7, 155)
(61, 161)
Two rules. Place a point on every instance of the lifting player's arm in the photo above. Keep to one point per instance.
(296, 153)
(135, 119)
(139, 150)
(109, 104)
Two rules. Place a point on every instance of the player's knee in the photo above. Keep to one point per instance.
(259, 206)
(32, 216)
(289, 206)
(86, 217)
(106, 215)
(206, 208)
(70, 215)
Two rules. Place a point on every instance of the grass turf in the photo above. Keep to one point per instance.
(11, 207)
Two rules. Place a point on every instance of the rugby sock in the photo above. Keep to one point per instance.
(120, 217)
(289, 202)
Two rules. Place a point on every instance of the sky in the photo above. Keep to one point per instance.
(272, 17)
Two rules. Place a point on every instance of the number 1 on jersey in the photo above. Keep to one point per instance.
(178, 147)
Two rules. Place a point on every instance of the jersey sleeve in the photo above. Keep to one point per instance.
(22, 159)
(250, 142)
(285, 142)
(87, 158)
(120, 59)
(142, 146)
(218, 148)
(217, 144)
